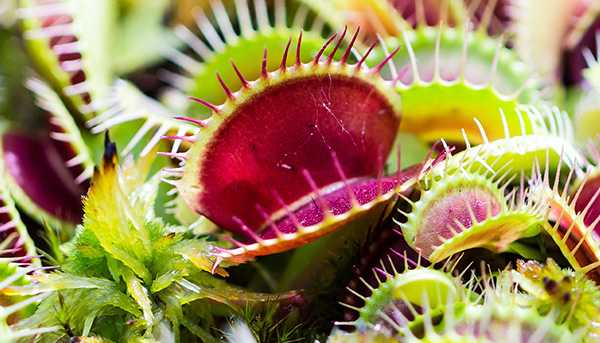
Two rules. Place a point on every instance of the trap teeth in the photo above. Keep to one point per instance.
(565, 223)
(15, 243)
(451, 79)
(402, 301)
(287, 184)
(68, 41)
(463, 211)
(126, 104)
(219, 45)
(48, 172)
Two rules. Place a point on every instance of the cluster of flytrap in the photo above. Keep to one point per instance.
(300, 170)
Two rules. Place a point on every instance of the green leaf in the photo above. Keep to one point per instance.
(85, 255)
(58, 282)
(108, 215)
(76, 301)
(135, 289)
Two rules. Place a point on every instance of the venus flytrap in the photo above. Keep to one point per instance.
(265, 198)
(449, 65)
(68, 42)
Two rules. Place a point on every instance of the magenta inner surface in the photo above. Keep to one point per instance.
(337, 202)
(264, 146)
(452, 213)
(39, 169)
(590, 187)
